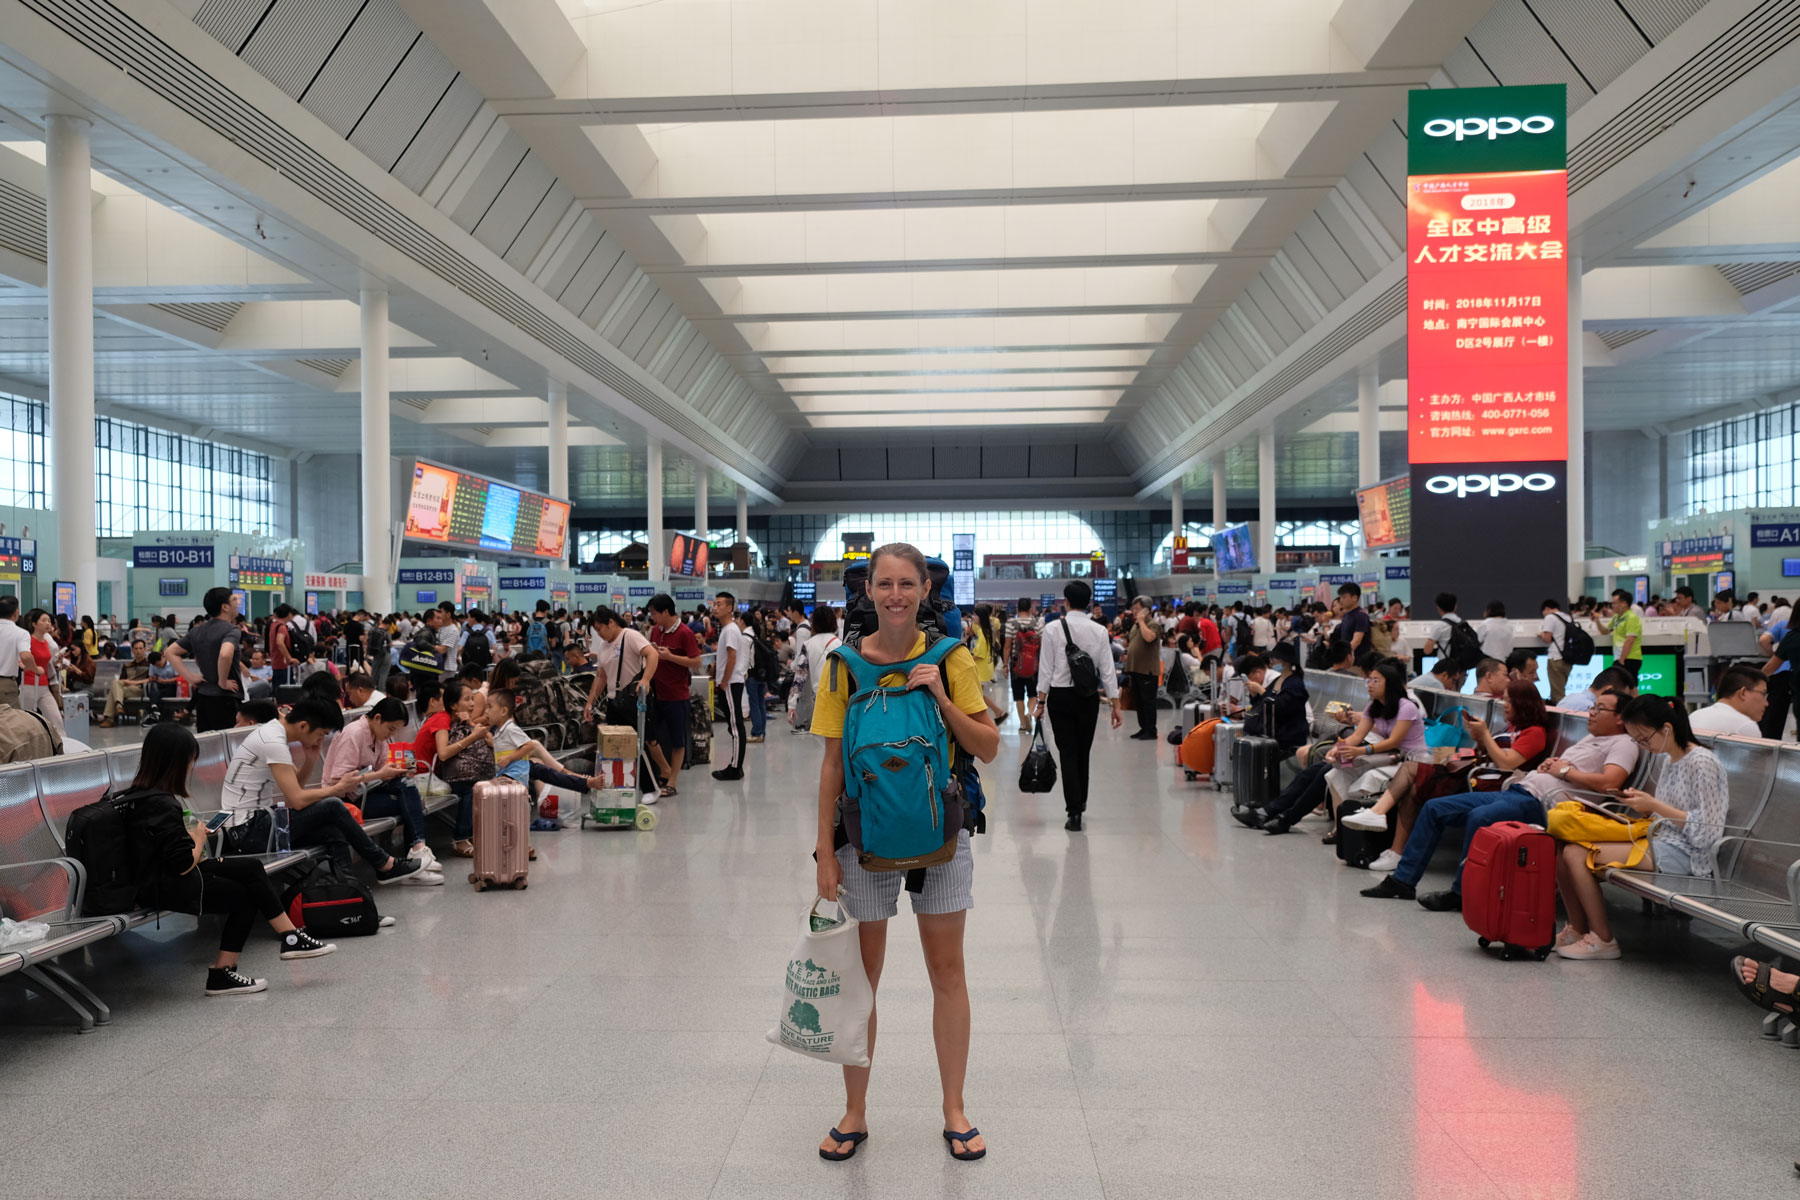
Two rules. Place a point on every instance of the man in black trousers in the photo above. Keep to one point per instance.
(1075, 709)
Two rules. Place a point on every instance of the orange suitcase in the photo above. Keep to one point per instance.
(502, 834)
(1197, 749)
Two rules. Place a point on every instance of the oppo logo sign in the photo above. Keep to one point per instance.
(1462, 486)
(1488, 127)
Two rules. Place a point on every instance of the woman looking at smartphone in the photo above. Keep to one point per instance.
(168, 843)
(1687, 824)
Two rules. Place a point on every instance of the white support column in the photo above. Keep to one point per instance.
(559, 438)
(1219, 516)
(558, 396)
(743, 514)
(70, 209)
(701, 501)
(1575, 414)
(377, 463)
(653, 501)
(1368, 423)
(1265, 499)
(1176, 520)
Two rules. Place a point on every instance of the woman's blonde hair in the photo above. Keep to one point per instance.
(900, 550)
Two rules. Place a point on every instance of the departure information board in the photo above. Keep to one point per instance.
(448, 507)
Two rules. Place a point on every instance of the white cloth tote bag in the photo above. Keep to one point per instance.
(825, 997)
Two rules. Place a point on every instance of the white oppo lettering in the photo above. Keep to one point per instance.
(1490, 127)
(1463, 486)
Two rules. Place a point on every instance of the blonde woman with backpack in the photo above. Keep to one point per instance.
(897, 584)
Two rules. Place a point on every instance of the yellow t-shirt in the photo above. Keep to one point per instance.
(984, 657)
(959, 683)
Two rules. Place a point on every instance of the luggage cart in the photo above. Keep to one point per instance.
(623, 807)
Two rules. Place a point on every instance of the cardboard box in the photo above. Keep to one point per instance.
(618, 741)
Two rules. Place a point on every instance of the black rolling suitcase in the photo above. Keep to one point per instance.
(1255, 771)
(1360, 847)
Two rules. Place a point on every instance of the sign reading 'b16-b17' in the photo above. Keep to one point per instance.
(1488, 254)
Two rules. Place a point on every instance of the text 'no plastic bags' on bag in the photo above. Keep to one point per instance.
(1038, 772)
(826, 999)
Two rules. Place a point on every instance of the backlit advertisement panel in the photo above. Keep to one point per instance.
(1487, 246)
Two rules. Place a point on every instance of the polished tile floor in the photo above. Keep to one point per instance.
(1165, 1005)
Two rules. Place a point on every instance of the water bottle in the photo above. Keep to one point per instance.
(282, 845)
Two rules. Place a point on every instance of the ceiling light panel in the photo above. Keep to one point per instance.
(947, 401)
(957, 360)
(829, 384)
(1064, 416)
(980, 232)
(956, 291)
(955, 152)
(1047, 332)
(719, 48)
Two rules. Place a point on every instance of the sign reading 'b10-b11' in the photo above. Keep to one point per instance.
(1487, 248)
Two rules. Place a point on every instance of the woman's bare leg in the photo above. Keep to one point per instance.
(942, 936)
(873, 938)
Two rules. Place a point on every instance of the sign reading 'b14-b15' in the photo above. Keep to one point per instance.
(1487, 247)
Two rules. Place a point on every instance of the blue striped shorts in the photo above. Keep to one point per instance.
(875, 895)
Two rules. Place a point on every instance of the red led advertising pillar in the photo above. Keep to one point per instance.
(1487, 244)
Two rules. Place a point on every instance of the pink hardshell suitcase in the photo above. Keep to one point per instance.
(502, 834)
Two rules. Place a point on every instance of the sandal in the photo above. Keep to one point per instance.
(463, 849)
(1758, 991)
(855, 1139)
(963, 1138)
(666, 791)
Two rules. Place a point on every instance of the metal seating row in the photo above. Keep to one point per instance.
(1754, 891)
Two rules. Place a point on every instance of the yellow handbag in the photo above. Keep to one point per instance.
(1572, 821)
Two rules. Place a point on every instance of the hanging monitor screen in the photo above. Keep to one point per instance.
(448, 507)
(687, 556)
(1232, 549)
(1386, 512)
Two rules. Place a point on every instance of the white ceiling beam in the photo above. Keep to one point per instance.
(486, 410)
(528, 436)
(1625, 296)
(307, 329)
(524, 48)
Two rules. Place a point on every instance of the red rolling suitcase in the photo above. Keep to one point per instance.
(1509, 888)
(502, 834)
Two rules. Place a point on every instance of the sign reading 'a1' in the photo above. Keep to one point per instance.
(1487, 251)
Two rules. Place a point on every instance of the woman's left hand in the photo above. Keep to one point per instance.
(927, 676)
(1638, 800)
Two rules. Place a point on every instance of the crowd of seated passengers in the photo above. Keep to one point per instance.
(1685, 810)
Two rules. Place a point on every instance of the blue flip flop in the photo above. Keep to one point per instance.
(954, 1138)
(855, 1139)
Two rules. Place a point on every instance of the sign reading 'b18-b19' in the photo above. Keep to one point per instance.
(1487, 333)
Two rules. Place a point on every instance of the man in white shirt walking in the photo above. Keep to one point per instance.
(1073, 709)
(731, 671)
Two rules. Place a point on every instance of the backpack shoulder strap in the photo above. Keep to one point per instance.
(851, 660)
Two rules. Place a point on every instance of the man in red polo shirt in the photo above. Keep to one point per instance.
(678, 657)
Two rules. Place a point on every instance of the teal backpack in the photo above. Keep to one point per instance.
(902, 808)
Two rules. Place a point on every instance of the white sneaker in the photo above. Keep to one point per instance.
(385, 922)
(650, 797)
(1567, 936)
(1589, 947)
(1366, 818)
(432, 877)
(1385, 863)
(426, 858)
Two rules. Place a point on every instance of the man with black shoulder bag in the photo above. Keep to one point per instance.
(1075, 671)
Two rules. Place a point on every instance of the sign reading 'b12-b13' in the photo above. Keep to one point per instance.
(1487, 245)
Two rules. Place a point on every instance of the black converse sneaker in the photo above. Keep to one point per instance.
(298, 943)
(226, 981)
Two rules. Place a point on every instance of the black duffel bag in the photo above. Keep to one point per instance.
(327, 905)
(1038, 772)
